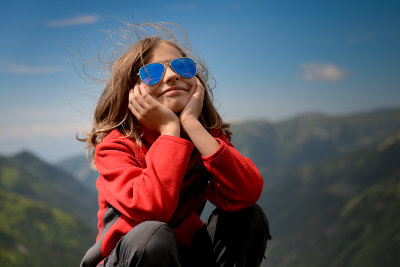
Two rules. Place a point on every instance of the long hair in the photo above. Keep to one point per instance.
(112, 110)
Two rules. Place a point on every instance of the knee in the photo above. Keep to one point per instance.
(151, 243)
(154, 235)
(243, 234)
(251, 221)
(160, 248)
(255, 219)
(144, 231)
(161, 239)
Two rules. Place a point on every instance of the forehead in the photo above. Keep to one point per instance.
(164, 52)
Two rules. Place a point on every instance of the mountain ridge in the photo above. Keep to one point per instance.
(312, 198)
(27, 175)
(36, 234)
(276, 147)
(47, 218)
(331, 193)
(307, 139)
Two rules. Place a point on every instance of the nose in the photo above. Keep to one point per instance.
(170, 75)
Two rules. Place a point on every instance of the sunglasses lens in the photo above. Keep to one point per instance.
(151, 74)
(185, 67)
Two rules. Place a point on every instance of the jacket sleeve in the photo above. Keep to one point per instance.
(235, 181)
(150, 193)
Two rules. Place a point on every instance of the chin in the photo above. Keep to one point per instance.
(176, 110)
(176, 107)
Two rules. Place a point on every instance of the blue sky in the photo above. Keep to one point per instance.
(271, 60)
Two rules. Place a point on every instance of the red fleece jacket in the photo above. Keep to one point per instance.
(166, 179)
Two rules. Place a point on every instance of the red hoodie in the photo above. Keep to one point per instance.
(166, 179)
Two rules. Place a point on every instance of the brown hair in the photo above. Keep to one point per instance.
(112, 111)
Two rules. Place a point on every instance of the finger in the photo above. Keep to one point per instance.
(148, 98)
(136, 90)
(200, 85)
(132, 109)
(145, 98)
(131, 96)
(138, 96)
(135, 109)
(199, 89)
(134, 99)
(199, 92)
(142, 89)
(138, 113)
(134, 93)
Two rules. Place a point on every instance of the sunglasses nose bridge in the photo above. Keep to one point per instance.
(169, 73)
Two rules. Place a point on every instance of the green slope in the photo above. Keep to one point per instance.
(27, 175)
(340, 213)
(331, 187)
(47, 218)
(312, 138)
(35, 234)
(78, 166)
(278, 147)
(371, 219)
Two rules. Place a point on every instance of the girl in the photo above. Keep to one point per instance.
(162, 150)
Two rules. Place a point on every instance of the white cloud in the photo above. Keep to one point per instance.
(361, 37)
(322, 72)
(32, 70)
(74, 21)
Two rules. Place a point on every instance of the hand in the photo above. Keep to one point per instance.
(151, 113)
(194, 106)
(189, 118)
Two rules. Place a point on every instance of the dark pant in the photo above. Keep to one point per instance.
(227, 239)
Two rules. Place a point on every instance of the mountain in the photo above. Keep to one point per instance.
(47, 218)
(25, 174)
(278, 147)
(331, 187)
(79, 167)
(343, 212)
(33, 233)
(312, 137)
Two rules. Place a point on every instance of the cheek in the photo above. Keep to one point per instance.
(192, 84)
(152, 89)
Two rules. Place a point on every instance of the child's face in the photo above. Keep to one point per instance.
(173, 91)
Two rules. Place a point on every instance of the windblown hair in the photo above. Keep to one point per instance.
(112, 110)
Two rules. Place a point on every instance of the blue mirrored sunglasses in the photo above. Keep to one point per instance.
(152, 74)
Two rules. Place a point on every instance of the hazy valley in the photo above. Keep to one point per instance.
(331, 193)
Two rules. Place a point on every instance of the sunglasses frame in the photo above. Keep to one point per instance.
(167, 62)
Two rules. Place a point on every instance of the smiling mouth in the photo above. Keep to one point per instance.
(174, 88)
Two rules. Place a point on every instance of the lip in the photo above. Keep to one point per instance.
(172, 88)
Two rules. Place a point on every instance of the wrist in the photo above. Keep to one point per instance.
(188, 121)
(190, 125)
(172, 128)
